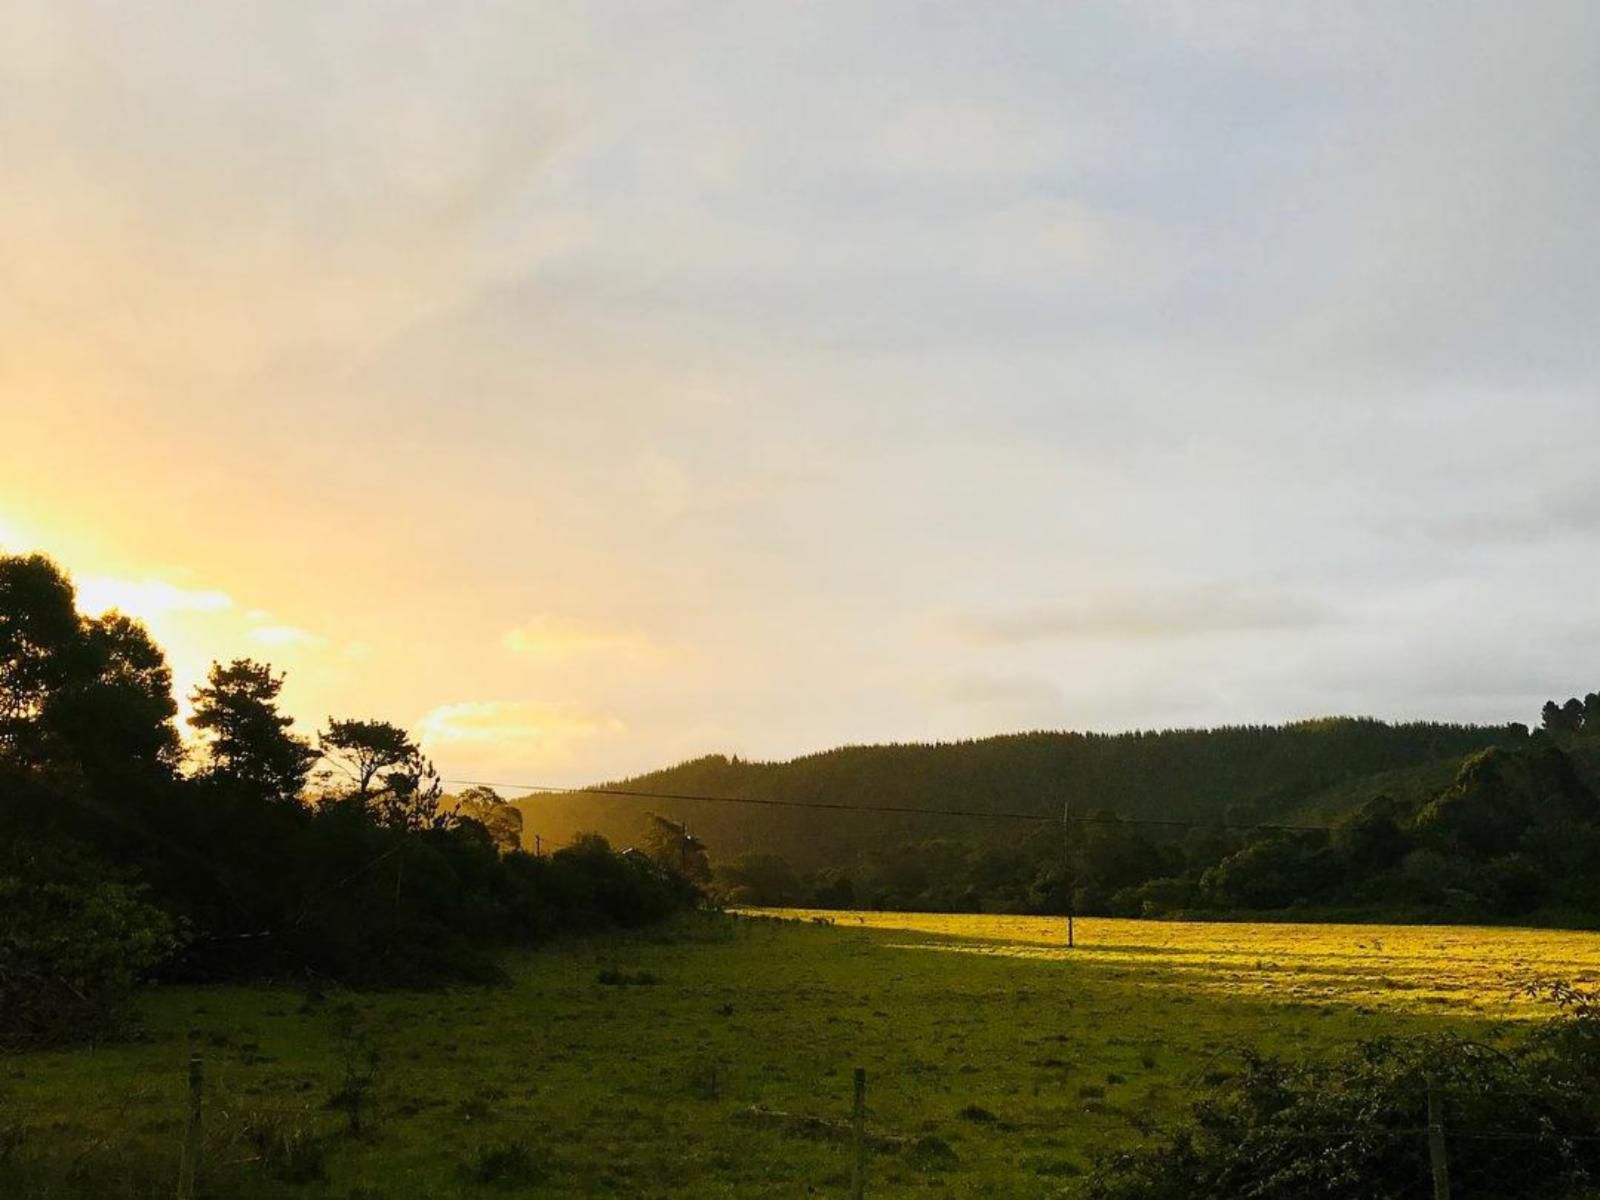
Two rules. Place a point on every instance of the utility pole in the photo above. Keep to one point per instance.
(1066, 864)
(538, 846)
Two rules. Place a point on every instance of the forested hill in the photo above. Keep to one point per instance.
(1318, 768)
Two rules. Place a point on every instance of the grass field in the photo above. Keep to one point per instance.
(714, 1057)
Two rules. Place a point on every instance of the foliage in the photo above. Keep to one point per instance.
(379, 884)
(81, 693)
(1514, 834)
(1237, 774)
(671, 846)
(1519, 1122)
(248, 742)
(72, 946)
(363, 750)
(500, 820)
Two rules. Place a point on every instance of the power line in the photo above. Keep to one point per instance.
(903, 810)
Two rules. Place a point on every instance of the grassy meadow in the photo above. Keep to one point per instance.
(713, 1057)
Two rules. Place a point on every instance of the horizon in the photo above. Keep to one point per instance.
(592, 388)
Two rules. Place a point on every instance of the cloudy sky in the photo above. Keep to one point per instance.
(588, 386)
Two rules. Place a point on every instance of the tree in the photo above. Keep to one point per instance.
(120, 709)
(670, 844)
(363, 750)
(1551, 719)
(1562, 718)
(93, 692)
(1370, 839)
(758, 879)
(1572, 711)
(1591, 712)
(39, 629)
(248, 742)
(502, 821)
(409, 799)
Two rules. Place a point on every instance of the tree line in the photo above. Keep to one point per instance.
(256, 852)
(1305, 771)
(1513, 831)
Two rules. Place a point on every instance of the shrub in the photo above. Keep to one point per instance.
(1517, 1123)
(73, 944)
(507, 1164)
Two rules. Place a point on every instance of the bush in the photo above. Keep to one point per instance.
(1517, 1123)
(73, 944)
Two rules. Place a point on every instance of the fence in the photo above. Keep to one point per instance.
(213, 1135)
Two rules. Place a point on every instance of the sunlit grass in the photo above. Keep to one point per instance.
(1486, 970)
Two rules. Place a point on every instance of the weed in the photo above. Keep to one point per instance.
(612, 977)
(932, 1153)
(287, 1148)
(504, 1164)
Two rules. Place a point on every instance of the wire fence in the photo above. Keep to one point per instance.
(208, 1131)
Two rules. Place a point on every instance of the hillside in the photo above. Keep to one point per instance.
(1305, 769)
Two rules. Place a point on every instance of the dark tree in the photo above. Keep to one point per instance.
(671, 845)
(363, 750)
(247, 739)
(120, 709)
(39, 631)
(502, 821)
(92, 692)
(1554, 718)
(1572, 712)
(410, 796)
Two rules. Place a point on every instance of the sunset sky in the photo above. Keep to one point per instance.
(591, 386)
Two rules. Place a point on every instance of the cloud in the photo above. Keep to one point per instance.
(12, 536)
(1006, 701)
(146, 597)
(806, 322)
(1524, 517)
(285, 635)
(527, 725)
(1178, 613)
(545, 635)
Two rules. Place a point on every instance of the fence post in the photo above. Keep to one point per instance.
(1436, 1154)
(1066, 866)
(189, 1164)
(858, 1177)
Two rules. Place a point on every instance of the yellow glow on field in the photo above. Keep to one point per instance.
(1459, 967)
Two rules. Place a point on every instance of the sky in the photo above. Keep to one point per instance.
(590, 386)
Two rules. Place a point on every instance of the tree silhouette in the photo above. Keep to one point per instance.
(247, 740)
(1572, 710)
(1554, 718)
(363, 750)
(94, 692)
(409, 799)
(118, 708)
(503, 821)
(671, 844)
(39, 628)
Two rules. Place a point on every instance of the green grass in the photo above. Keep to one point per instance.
(711, 1058)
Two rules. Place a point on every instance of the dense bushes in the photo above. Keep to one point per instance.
(72, 945)
(1518, 1122)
